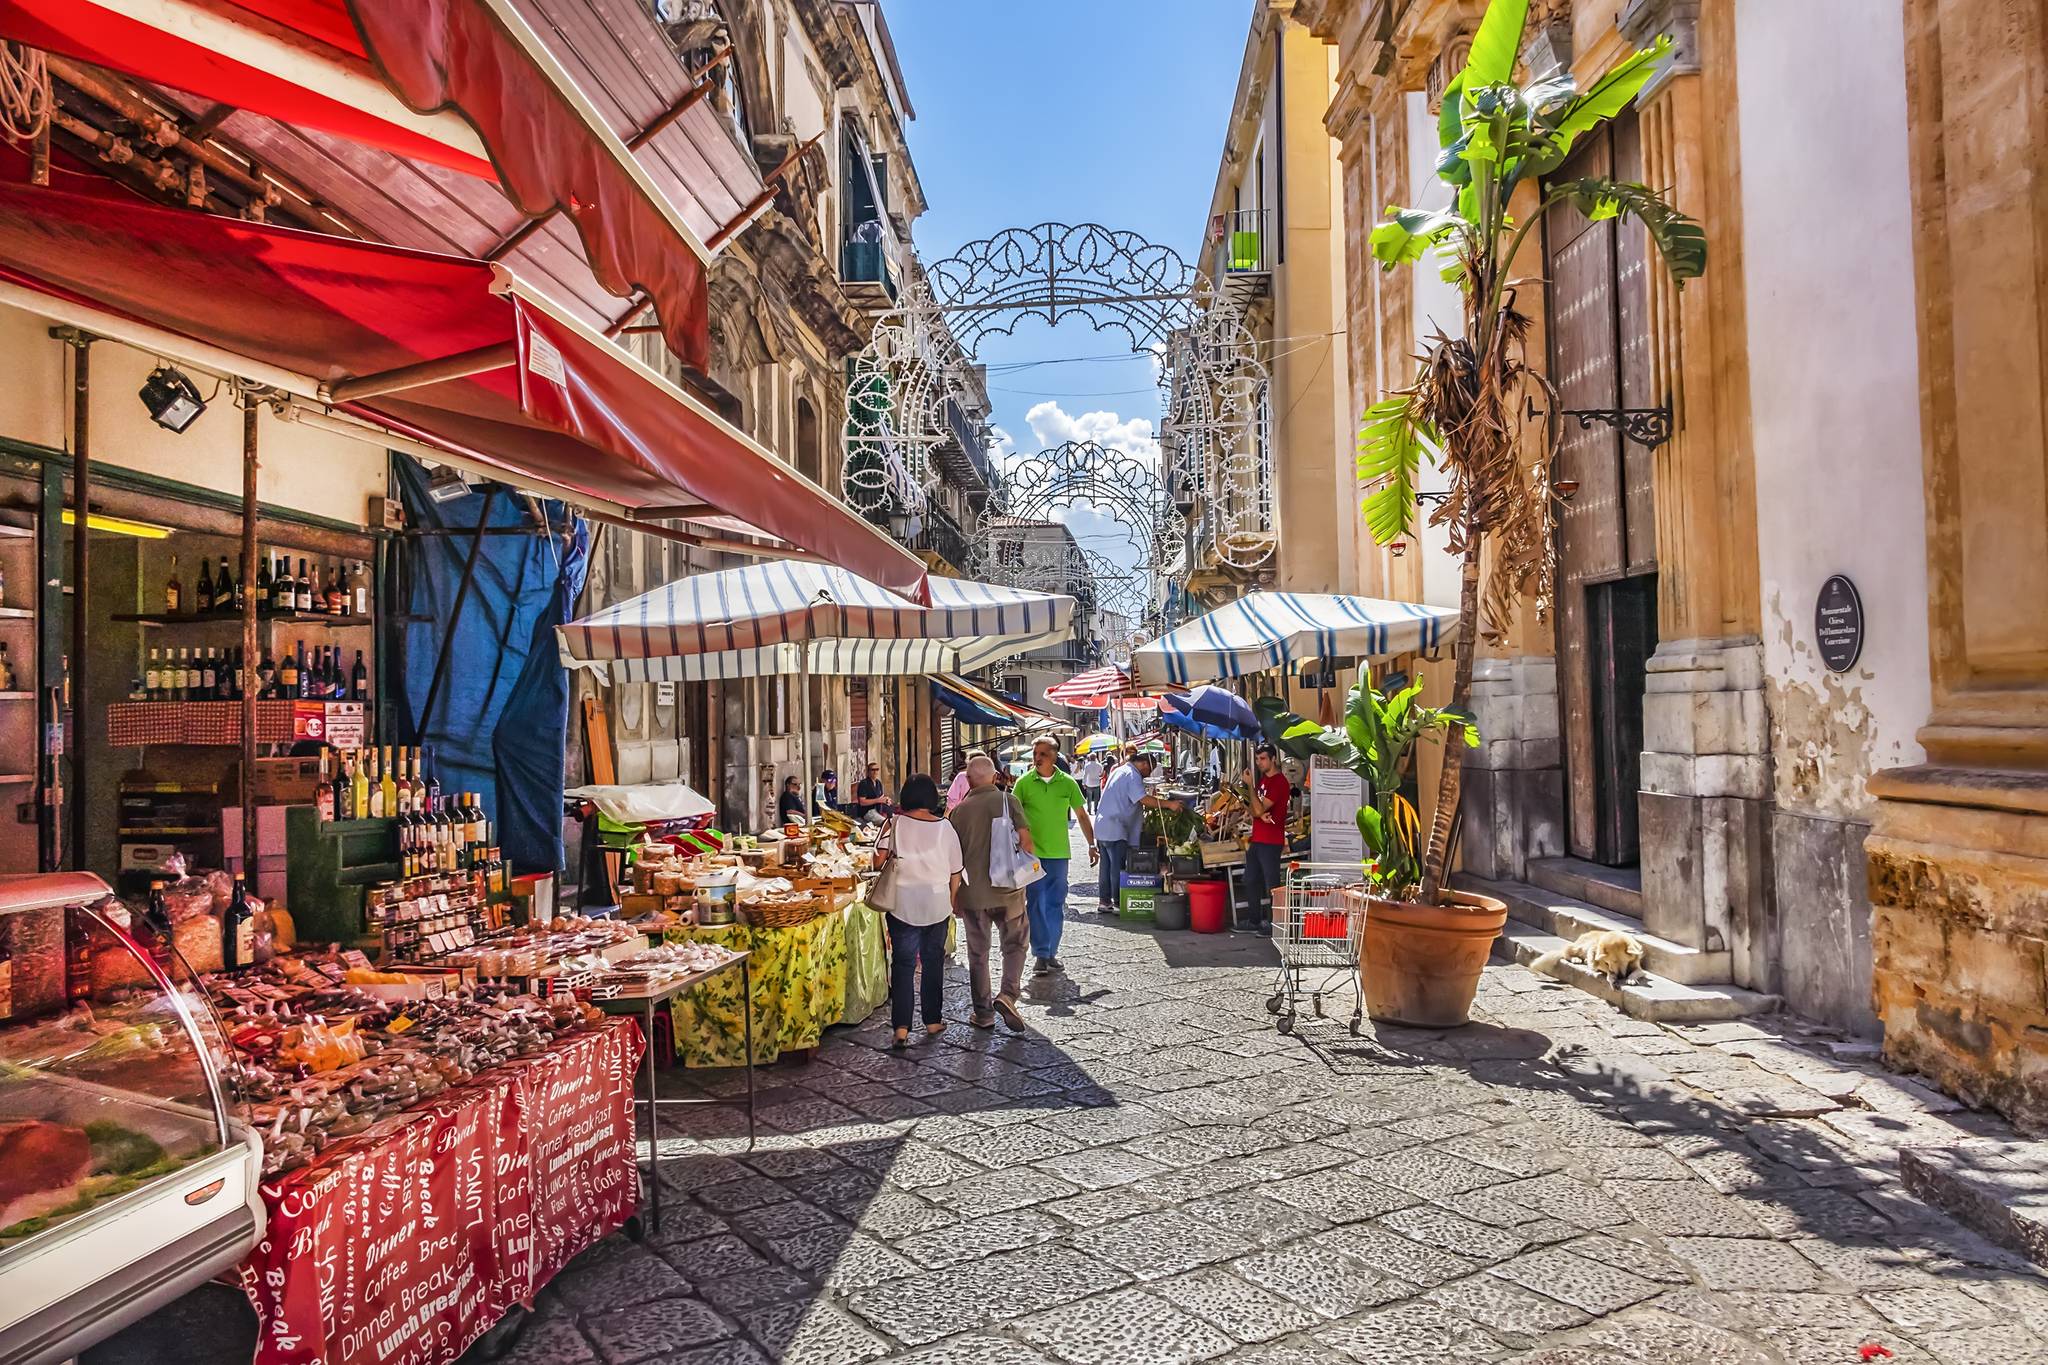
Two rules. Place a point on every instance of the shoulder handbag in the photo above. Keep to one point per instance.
(881, 896)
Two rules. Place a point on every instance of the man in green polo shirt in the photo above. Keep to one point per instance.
(1047, 796)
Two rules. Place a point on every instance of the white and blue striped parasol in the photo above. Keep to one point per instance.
(1263, 630)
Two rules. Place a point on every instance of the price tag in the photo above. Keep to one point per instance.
(309, 720)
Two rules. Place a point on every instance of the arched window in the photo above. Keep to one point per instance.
(810, 448)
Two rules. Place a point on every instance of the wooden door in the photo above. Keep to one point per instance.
(1600, 360)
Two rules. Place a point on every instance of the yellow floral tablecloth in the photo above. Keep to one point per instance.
(832, 970)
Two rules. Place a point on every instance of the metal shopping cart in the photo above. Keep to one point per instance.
(1314, 934)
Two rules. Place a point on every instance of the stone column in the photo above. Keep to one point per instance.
(1705, 767)
(1958, 854)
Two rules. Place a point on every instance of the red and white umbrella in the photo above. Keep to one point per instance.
(1091, 691)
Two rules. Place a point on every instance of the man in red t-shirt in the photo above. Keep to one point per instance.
(1270, 795)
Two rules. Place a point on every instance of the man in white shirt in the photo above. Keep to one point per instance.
(1124, 803)
(1091, 780)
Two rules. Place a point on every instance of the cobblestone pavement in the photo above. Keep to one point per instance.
(1154, 1175)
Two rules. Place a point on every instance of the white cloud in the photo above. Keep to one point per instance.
(1053, 425)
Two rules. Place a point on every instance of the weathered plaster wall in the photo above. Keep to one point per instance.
(1834, 397)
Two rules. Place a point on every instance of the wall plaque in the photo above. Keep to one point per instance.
(1838, 624)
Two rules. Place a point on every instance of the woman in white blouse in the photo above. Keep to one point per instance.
(929, 851)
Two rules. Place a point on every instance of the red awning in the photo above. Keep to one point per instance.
(344, 324)
(334, 65)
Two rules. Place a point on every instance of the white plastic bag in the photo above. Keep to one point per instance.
(1009, 866)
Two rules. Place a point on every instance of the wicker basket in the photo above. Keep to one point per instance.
(787, 916)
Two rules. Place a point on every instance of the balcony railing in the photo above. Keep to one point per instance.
(942, 536)
(864, 259)
(1241, 244)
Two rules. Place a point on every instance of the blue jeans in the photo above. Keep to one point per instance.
(1045, 900)
(1110, 884)
(912, 945)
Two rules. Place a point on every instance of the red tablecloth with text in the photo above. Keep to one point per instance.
(403, 1246)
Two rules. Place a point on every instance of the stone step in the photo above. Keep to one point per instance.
(1649, 996)
(1619, 889)
(1567, 917)
(1998, 1188)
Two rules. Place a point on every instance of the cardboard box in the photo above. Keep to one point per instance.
(1137, 904)
(1139, 881)
(285, 781)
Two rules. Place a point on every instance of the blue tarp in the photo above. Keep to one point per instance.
(502, 715)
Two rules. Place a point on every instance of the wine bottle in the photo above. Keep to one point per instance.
(238, 931)
(288, 676)
(265, 588)
(281, 590)
(241, 583)
(361, 804)
(359, 680)
(152, 678)
(337, 594)
(323, 795)
(223, 588)
(209, 677)
(303, 589)
(202, 591)
(173, 593)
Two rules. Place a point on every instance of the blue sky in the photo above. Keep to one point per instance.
(1106, 111)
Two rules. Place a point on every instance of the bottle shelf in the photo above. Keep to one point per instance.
(17, 613)
(296, 618)
(15, 779)
(211, 724)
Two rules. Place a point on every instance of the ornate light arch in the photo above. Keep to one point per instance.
(922, 354)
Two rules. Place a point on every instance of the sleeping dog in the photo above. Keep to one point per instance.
(1605, 952)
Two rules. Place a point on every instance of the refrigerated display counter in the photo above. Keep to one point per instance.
(126, 1177)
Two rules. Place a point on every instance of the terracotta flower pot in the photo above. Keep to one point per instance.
(1420, 964)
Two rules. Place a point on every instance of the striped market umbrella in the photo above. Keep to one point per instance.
(1263, 630)
(1091, 691)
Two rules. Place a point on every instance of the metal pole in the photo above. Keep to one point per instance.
(81, 504)
(247, 677)
(476, 546)
(803, 720)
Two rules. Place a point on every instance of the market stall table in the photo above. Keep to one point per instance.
(412, 1240)
(665, 992)
(828, 970)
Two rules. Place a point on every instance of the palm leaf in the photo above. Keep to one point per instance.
(1607, 97)
(1389, 456)
(1407, 233)
(1681, 240)
(1497, 44)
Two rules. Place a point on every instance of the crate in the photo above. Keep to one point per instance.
(1135, 903)
(1222, 853)
(1143, 861)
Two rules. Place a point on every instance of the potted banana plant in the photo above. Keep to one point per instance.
(1419, 962)
(1479, 410)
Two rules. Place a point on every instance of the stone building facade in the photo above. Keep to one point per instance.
(811, 87)
(1864, 403)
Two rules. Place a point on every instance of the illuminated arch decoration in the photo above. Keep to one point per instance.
(1212, 382)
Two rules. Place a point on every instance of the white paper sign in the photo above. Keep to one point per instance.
(1334, 795)
(665, 692)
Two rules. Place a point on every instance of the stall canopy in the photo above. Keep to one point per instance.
(789, 617)
(1263, 630)
(975, 704)
(454, 354)
(388, 96)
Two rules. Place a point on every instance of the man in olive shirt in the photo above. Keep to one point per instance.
(1047, 796)
(983, 905)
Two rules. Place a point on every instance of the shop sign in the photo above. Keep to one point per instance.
(1334, 795)
(339, 723)
(1838, 624)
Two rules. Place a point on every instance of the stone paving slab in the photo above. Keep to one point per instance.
(1154, 1175)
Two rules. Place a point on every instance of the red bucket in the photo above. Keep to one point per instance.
(1208, 907)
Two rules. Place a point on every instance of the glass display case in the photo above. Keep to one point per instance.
(125, 1176)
